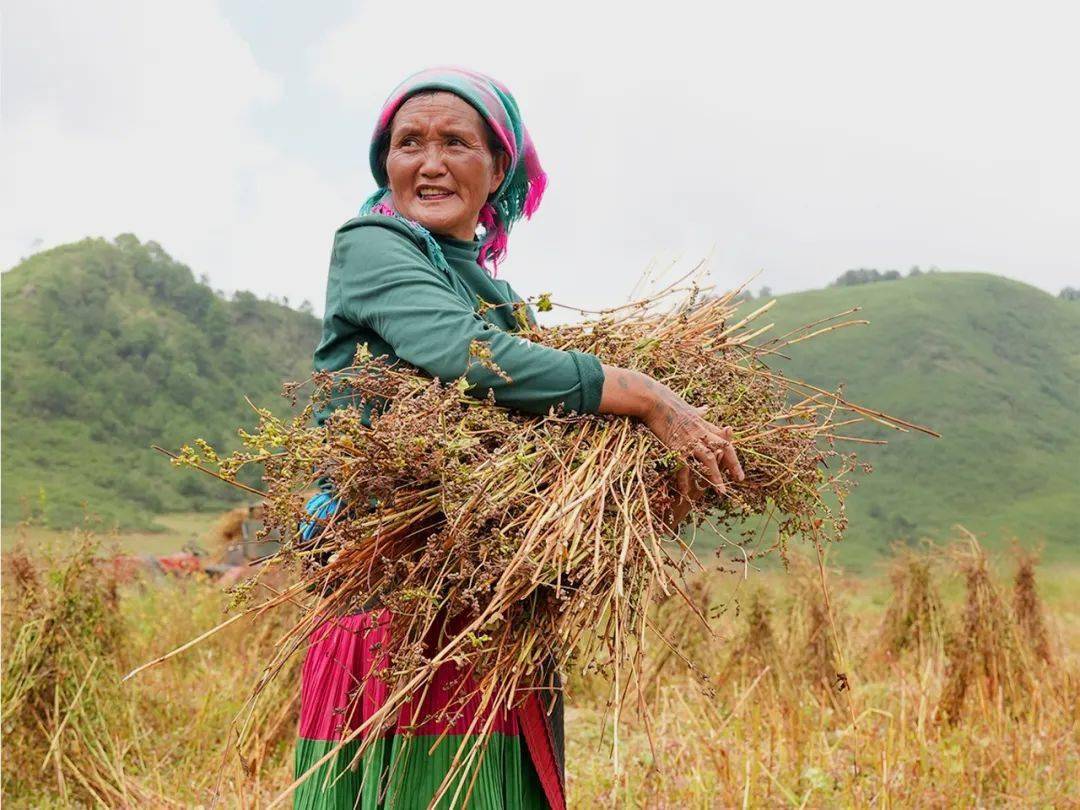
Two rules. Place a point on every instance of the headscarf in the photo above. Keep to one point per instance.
(521, 190)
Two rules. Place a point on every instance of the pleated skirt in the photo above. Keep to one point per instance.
(520, 765)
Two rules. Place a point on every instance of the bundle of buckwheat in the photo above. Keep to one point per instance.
(513, 545)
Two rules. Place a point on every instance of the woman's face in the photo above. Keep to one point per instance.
(440, 168)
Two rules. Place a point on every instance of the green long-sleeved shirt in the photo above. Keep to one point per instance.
(384, 290)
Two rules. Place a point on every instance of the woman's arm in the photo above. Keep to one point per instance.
(677, 423)
(382, 281)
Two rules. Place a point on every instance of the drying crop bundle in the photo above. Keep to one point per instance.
(513, 546)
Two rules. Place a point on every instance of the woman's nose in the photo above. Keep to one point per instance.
(433, 164)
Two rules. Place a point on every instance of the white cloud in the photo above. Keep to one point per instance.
(798, 138)
(136, 117)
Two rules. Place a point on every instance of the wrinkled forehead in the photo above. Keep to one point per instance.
(428, 105)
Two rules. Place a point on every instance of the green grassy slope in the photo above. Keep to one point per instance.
(110, 347)
(994, 366)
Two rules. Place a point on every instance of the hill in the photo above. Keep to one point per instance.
(994, 366)
(110, 347)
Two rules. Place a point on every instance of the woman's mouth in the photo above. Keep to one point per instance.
(433, 193)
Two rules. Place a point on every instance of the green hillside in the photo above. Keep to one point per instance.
(994, 366)
(109, 348)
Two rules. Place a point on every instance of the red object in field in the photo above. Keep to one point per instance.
(128, 567)
(246, 548)
(181, 563)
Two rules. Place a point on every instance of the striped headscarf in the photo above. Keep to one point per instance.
(522, 188)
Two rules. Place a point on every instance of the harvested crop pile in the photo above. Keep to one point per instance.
(509, 544)
(63, 716)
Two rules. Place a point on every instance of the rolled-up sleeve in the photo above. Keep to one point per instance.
(388, 285)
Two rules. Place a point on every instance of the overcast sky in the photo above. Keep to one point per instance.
(801, 139)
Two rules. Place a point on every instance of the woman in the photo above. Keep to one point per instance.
(410, 278)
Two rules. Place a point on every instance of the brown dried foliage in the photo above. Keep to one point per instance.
(914, 619)
(60, 683)
(1028, 607)
(988, 659)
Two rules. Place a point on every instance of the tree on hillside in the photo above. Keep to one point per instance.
(109, 348)
(1069, 294)
(864, 275)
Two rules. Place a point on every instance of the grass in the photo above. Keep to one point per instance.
(763, 725)
(775, 734)
(75, 735)
(174, 529)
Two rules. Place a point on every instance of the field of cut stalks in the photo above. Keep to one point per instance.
(952, 681)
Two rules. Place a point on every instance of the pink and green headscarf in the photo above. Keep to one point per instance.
(521, 190)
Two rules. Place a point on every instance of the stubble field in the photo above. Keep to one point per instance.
(948, 679)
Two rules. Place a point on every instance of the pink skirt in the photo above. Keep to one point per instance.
(520, 766)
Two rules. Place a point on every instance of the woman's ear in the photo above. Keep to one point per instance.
(502, 165)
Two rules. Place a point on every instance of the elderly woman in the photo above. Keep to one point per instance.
(413, 277)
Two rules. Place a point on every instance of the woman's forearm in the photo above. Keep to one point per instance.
(630, 393)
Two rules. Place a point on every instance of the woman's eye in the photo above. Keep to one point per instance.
(408, 140)
(455, 142)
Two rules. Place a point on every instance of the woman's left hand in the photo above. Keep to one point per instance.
(687, 484)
